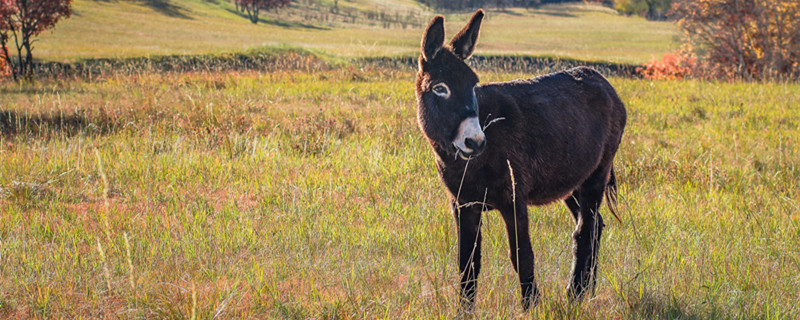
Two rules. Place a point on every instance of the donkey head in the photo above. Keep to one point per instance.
(447, 109)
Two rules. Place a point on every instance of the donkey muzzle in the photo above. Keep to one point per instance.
(470, 139)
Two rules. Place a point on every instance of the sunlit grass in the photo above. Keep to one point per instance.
(312, 194)
(130, 29)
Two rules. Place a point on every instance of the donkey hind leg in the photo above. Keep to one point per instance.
(573, 203)
(521, 253)
(469, 252)
(588, 231)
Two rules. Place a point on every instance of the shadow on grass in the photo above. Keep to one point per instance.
(651, 306)
(510, 12)
(279, 23)
(164, 7)
(13, 124)
(561, 14)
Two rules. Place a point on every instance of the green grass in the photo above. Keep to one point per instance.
(312, 194)
(120, 29)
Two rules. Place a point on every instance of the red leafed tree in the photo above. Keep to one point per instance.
(253, 7)
(22, 21)
(3, 66)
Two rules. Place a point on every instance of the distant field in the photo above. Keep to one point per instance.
(296, 194)
(131, 28)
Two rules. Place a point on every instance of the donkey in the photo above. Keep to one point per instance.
(508, 145)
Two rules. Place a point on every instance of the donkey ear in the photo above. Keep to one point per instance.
(433, 41)
(464, 42)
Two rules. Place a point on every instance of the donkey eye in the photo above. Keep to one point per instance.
(441, 90)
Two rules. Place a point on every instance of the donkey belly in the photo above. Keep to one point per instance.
(563, 167)
(557, 186)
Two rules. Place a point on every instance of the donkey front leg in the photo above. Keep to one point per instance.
(469, 251)
(585, 206)
(521, 253)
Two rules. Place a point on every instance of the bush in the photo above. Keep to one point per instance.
(631, 7)
(676, 65)
(650, 9)
(742, 39)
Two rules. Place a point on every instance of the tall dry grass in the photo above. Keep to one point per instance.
(313, 195)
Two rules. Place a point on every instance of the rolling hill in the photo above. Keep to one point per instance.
(112, 29)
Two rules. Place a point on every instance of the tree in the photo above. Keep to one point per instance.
(650, 9)
(23, 20)
(743, 39)
(3, 66)
(253, 7)
(527, 4)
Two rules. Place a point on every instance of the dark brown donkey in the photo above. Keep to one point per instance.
(556, 134)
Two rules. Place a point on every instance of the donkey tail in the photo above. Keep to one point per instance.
(611, 194)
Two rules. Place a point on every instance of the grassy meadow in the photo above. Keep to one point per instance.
(308, 191)
(311, 194)
(120, 29)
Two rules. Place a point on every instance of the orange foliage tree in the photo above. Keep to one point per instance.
(742, 39)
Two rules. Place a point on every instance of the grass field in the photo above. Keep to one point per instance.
(312, 195)
(117, 29)
(309, 192)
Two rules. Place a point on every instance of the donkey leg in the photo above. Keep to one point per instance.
(469, 252)
(521, 253)
(573, 204)
(587, 234)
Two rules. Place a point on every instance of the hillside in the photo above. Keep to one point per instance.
(159, 27)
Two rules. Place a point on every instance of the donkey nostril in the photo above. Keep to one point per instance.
(469, 143)
(474, 145)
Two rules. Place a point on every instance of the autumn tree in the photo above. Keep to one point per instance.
(253, 7)
(23, 20)
(3, 66)
(743, 39)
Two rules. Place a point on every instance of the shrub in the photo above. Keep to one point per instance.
(650, 9)
(631, 7)
(676, 65)
(743, 39)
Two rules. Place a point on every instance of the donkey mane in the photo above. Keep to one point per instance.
(506, 145)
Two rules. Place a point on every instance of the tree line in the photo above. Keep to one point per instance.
(457, 5)
(650, 9)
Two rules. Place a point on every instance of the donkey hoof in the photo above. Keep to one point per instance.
(466, 306)
(530, 300)
(575, 294)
